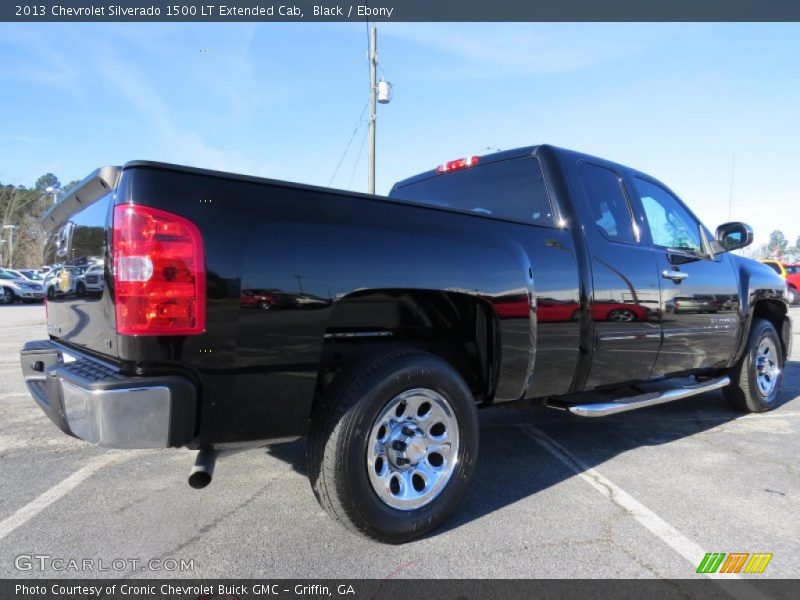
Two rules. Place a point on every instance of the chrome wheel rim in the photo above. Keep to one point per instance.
(6, 296)
(767, 367)
(621, 316)
(413, 449)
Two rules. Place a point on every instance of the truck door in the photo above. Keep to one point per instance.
(624, 303)
(699, 293)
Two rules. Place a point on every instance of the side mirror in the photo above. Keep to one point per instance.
(732, 236)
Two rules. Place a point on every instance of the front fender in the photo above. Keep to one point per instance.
(763, 294)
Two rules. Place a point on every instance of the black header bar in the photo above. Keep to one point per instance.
(399, 10)
(408, 589)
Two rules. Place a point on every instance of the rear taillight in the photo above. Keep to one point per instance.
(159, 273)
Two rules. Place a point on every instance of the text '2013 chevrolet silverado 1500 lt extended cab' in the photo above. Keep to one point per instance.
(240, 311)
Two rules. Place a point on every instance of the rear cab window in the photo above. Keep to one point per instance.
(611, 211)
(512, 189)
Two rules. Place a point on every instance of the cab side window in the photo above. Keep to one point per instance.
(608, 203)
(671, 226)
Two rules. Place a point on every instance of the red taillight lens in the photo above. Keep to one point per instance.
(159, 273)
(455, 165)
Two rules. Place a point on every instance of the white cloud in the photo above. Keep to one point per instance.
(509, 49)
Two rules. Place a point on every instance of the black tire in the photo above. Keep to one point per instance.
(793, 296)
(339, 434)
(745, 393)
(80, 289)
(7, 296)
(51, 293)
(264, 305)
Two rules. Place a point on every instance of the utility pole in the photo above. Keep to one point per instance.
(373, 76)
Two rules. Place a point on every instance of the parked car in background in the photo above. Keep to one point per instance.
(793, 282)
(698, 303)
(90, 280)
(16, 287)
(265, 299)
(62, 282)
(791, 273)
(32, 274)
(17, 274)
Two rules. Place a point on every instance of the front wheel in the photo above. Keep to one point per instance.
(7, 296)
(756, 380)
(393, 445)
(792, 296)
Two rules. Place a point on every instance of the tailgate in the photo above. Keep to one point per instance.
(81, 311)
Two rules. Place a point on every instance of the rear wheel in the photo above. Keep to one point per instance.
(793, 296)
(756, 380)
(393, 445)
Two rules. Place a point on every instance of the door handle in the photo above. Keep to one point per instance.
(676, 276)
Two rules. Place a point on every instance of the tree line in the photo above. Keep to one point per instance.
(778, 247)
(22, 236)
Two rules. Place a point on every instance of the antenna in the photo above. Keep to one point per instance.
(730, 197)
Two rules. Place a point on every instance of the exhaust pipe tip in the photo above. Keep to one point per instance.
(203, 469)
(199, 479)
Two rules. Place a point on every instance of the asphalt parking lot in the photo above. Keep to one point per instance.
(643, 494)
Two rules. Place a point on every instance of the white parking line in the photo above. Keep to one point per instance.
(646, 517)
(55, 493)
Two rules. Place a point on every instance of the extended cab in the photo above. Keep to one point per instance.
(385, 322)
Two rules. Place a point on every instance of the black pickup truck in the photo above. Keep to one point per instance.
(236, 311)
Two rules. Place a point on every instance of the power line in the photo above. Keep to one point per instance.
(358, 125)
(358, 159)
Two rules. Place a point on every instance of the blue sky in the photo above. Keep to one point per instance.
(281, 100)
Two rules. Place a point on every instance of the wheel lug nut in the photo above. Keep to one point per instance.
(408, 431)
(398, 445)
(401, 461)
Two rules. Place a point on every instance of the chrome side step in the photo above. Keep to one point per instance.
(603, 409)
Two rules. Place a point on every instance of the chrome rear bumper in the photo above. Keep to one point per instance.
(93, 401)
